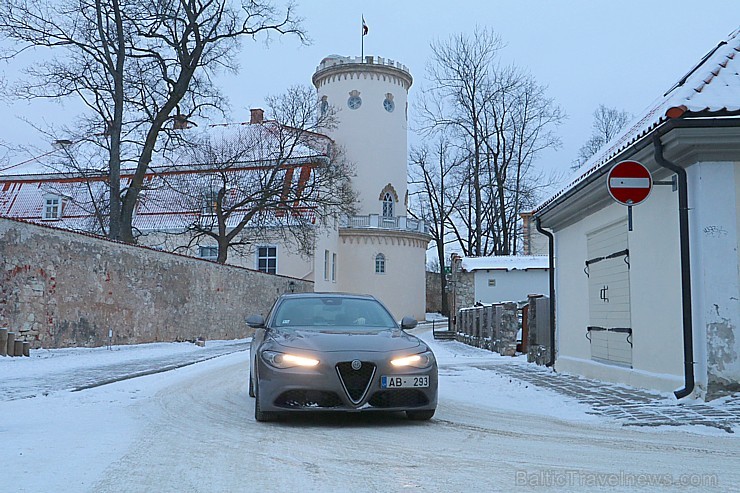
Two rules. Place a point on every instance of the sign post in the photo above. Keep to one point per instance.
(629, 183)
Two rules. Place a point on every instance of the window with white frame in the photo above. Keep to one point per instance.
(326, 265)
(387, 205)
(380, 264)
(333, 267)
(52, 207)
(208, 252)
(210, 199)
(267, 259)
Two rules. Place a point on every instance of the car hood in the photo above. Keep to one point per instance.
(336, 339)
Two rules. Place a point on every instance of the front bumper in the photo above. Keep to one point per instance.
(321, 388)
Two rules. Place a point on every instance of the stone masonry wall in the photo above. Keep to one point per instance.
(59, 289)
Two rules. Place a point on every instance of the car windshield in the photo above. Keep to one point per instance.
(332, 311)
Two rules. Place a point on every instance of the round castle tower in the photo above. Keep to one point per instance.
(381, 250)
(370, 98)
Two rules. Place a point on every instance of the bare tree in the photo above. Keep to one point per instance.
(433, 176)
(278, 179)
(606, 125)
(500, 119)
(137, 66)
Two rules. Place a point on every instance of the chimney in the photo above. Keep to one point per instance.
(180, 122)
(256, 115)
(61, 143)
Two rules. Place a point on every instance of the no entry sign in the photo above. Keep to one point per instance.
(629, 182)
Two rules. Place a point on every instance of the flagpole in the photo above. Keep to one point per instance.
(362, 37)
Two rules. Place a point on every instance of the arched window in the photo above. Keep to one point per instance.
(380, 264)
(387, 205)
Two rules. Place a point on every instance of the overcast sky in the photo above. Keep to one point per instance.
(622, 53)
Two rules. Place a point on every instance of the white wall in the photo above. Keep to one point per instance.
(398, 288)
(374, 139)
(327, 240)
(713, 202)
(657, 352)
(512, 285)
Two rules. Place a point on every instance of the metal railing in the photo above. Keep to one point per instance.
(401, 223)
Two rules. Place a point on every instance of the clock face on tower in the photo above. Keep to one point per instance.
(389, 105)
(354, 102)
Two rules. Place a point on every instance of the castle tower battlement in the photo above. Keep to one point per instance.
(370, 97)
(381, 250)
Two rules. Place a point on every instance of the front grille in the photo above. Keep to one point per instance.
(308, 399)
(399, 398)
(355, 382)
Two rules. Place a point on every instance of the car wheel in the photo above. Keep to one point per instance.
(251, 386)
(259, 414)
(420, 415)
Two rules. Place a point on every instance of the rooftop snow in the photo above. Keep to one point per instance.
(711, 88)
(509, 263)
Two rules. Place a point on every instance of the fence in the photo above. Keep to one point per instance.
(495, 327)
(538, 321)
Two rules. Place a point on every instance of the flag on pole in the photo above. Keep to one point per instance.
(364, 26)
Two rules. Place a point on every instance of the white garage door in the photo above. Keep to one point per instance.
(610, 328)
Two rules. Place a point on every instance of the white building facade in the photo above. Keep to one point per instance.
(498, 279)
(631, 306)
(380, 251)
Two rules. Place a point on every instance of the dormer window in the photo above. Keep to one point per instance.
(52, 208)
(210, 200)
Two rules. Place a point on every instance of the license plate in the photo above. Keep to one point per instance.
(404, 382)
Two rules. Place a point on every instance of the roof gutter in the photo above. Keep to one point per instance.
(678, 120)
(683, 220)
(551, 263)
(701, 120)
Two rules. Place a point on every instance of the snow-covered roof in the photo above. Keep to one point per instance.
(508, 262)
(175, 188)
(711, 88)
(261, 143)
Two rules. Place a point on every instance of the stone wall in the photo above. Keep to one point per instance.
(464, 289)
(59, 288)
(493, 327)
(434, 293)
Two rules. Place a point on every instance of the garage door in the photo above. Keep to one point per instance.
(607, 267)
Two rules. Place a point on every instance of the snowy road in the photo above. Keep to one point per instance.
(193, 430)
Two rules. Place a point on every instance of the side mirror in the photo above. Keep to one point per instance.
(256, 321)
(408, 323)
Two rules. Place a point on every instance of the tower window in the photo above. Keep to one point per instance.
(380, 264)
(387, 205)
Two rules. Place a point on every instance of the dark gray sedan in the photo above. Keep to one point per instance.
(338, 352)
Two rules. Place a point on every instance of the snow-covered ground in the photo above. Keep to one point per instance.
(192, 429)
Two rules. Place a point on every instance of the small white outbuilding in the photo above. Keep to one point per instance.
(654, 301)
(507, 278)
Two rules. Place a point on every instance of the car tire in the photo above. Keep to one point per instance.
(251, 386)
(420, 415)
(259, 414)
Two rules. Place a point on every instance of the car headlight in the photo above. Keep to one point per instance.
(285, 360)
(421, 360)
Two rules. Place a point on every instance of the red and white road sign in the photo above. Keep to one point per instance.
(629, 182)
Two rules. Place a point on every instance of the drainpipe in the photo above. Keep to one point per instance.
(683, 220)
(551, 262)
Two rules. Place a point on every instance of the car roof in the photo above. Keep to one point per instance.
(329, 295)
